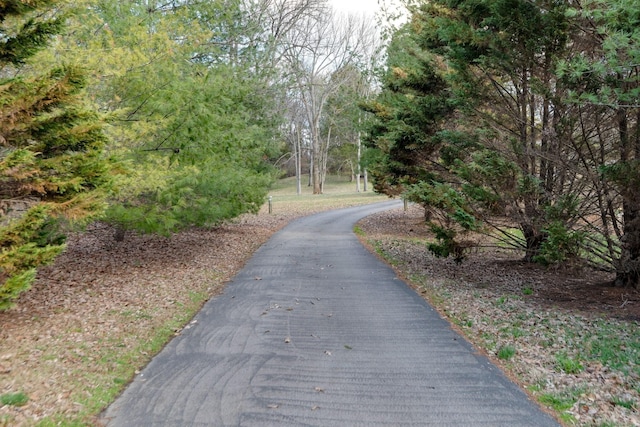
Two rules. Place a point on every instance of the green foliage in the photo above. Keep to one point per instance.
(625, 175)
(476, 97)
(489, 179)
(568, 364)
(193, 196)
(23, 38)
(449, 202)
(450, 213)
(51, 165)
(506, 352)
(14, 399)
(558, 401)
(190, 117)
(407, 115)
(559, 245)
(446, 244)
(14, 285)
(215, 170)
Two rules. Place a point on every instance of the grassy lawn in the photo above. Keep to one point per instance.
(339, 192)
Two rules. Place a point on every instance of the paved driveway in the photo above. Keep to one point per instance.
(316, 331)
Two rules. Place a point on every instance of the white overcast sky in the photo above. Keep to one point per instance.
(369, 7)
(355, 6)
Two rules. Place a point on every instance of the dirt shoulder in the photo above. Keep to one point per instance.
(585, 291)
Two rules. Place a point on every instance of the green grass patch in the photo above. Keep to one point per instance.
(506, 352)
(334, 184)
(625, 403)
(517, 332)
(615, 345)
(14, 399)
(59, 422)
(379, 247)
(562, 401)
(338, 192)
(559, 401)
(568, 364)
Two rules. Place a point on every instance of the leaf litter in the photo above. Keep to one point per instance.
(65, 336)
(561, 321)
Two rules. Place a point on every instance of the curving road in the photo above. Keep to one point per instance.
(316, 331)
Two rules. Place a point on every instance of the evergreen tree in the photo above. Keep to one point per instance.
(409, 154)
(51, 168)
(603, 78)
(501, 67)
(546, 131)
(191, 119)
(502, 154)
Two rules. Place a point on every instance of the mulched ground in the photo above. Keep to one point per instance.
(584, 290)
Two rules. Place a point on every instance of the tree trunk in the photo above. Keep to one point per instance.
(315, 175)
(534, 239)
(298, 162)
(359, 168)
(119, 233)
(531, 229)
(324, 154)
(628, 266)
(366, 181)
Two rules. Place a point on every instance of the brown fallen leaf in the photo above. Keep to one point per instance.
(114, 295)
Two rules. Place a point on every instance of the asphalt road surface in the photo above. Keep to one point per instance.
(316, 331)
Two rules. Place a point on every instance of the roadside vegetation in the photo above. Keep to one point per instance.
(567, 337)
(158, 116)
(99, 313)
(494, 126)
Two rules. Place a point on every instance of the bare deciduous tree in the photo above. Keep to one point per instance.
(314, 53)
